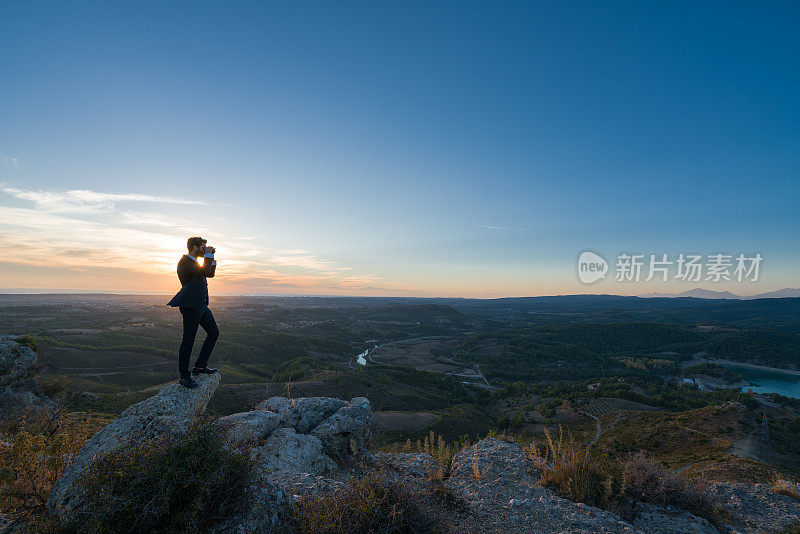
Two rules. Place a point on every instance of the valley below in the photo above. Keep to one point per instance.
(702, 388)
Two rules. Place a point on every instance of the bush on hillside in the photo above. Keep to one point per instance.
(374, 503)
(565, 466)
(647, 480)
(29, 341)
(181, 483)
(33, 455)
(616, 486)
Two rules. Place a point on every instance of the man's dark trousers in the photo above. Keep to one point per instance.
(192, 318)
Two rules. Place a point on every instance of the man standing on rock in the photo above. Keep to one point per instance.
(192, 300)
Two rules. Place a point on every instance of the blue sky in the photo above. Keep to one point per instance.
(459, 149)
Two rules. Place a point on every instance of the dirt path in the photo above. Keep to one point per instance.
(599, 427)
(111, 370)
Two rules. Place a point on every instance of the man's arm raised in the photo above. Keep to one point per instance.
(209, 265)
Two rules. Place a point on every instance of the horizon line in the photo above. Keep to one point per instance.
(26, 291)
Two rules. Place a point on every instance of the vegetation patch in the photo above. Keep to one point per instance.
(33, 455)
(182, 483)
(616, 485)
(374, 503)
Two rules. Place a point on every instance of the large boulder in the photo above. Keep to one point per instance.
(250, 428)
(172, 410)
(346, 433)
(286, 450)
(19, 391)
(302, 414)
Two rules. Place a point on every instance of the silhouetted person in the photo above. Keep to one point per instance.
(192, 300)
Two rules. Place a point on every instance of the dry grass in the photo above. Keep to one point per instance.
(436, 447)
(33, 455)
(647, 480)
(368, 504)
(565, 467)
(616, 485)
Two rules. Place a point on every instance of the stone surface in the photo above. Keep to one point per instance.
(19, 391)
(311, 411)
(669, 520)
(264, 513)
(250, 428)
(418, 465)
(506, 496)
(346, 433)
(171, 410)
(286, 450)
(752, 507)
(280, 405)
(302, 414)
(491, 458)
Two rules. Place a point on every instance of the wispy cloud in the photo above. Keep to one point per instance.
(499, 227)
(8, 161)
(149, 218)
(86, 201)
(55, 234)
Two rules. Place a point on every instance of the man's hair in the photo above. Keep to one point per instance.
(195, 242)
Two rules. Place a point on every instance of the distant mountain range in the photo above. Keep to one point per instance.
(700, 293)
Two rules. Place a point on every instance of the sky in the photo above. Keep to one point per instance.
(469, 149)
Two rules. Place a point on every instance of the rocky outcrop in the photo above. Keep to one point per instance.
(293, 442)
(285, 438)
(752, 507)
(346, 433)
(19, 391)
(302, 414)
(286, 450)
(342, 429)
(502, 490)
(250, 428)
(171, 410)
(310, 446)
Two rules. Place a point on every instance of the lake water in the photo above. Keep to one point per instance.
(769, 381)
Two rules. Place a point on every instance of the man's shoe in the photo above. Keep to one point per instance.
(188, 382)
(204, 370)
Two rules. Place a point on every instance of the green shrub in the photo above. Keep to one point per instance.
(52, 385)
(181, 483)
(29, 341)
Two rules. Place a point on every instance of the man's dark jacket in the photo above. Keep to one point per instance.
(194, 290)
